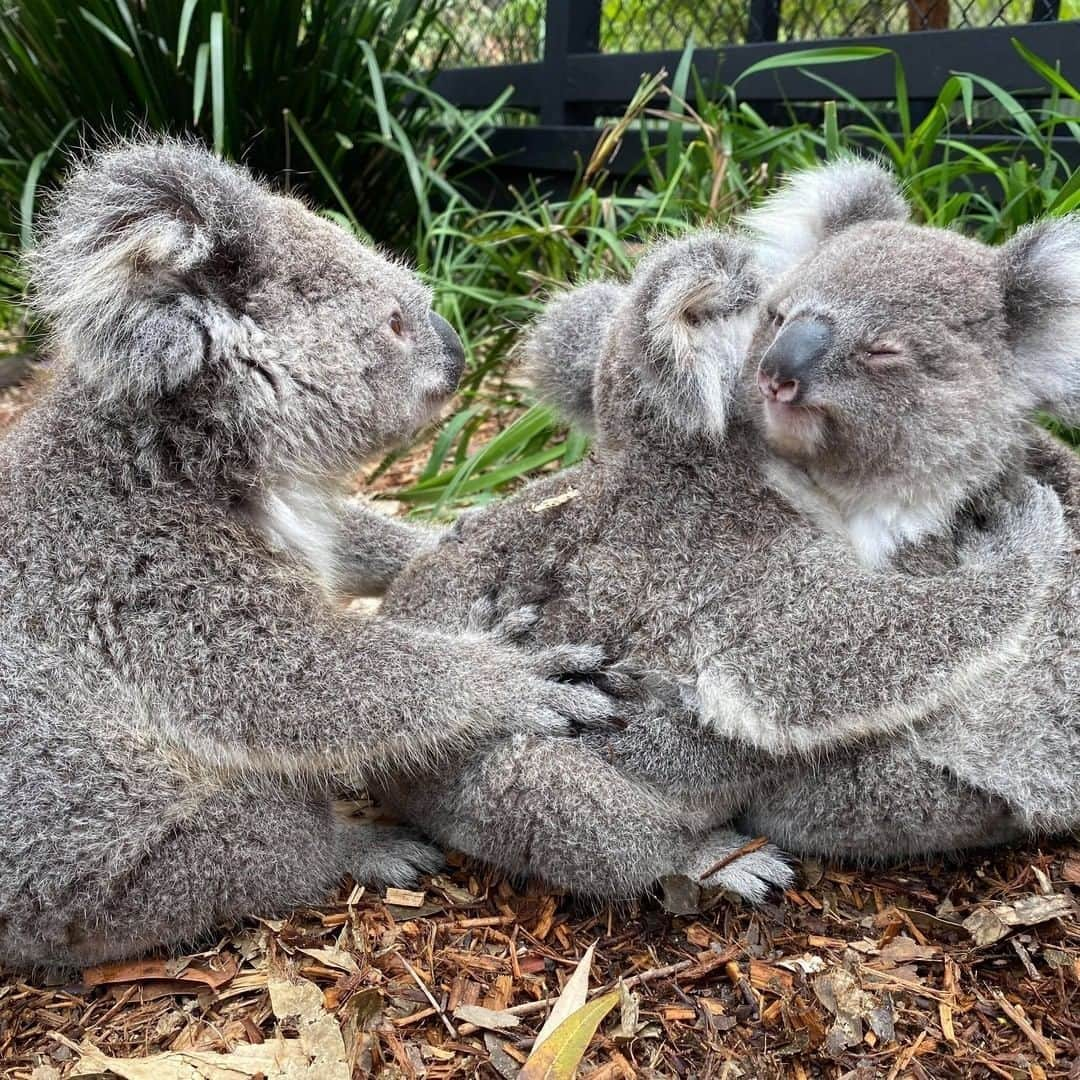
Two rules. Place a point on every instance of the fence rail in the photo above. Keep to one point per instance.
(573, 79)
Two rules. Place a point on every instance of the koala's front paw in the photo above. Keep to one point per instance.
(557, 695)
(1031, 526)
(753, 876)
(388, 855)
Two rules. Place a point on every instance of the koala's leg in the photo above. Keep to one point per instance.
(245, 851)
(373, 549)
(555, 810)
(877, 803)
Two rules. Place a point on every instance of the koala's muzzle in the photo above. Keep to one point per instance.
(455, 351)
(789, 363)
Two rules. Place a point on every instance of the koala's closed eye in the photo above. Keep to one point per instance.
(883, 353)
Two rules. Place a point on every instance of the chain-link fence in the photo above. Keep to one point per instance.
(492, 32)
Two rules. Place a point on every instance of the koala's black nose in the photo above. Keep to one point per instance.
(789, 362)
(455, 351)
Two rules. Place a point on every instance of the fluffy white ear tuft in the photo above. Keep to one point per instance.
(816, 204)
(144, 264)
(1040, 277)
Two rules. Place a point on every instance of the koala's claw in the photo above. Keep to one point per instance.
(390, 855)
(511, 627)
(753, 876)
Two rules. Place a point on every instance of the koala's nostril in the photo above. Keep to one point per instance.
(773, 388)
(455, 351)
(788, 392)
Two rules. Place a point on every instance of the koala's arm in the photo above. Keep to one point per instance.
(829, 651)
(374, 548)
(330, 694)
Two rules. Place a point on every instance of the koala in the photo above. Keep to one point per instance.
(898, 359)
(674, 549)
(180, 698)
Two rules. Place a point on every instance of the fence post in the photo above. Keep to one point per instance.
(570, 26)
(763, 23)
(1045, 10)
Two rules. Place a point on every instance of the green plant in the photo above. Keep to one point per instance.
(979, 160)
(323, 93)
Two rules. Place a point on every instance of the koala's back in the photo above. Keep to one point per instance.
(113, 597)
(624, 551)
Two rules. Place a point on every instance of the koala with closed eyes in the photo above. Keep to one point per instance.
(179, 700)
(683, 547)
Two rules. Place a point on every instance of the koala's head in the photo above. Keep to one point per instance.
(899, 361)
(256, 336)
(659, 357)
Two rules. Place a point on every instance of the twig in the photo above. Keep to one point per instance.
(1021, 1021)
(903, 1059)
(753, 845)
(427, 993)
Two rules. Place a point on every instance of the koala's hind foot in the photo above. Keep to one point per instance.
(386, 854)
(753, 876)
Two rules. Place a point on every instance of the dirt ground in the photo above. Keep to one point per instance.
(965, 969)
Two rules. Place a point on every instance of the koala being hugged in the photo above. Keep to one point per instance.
(825, 608)
(178, 700)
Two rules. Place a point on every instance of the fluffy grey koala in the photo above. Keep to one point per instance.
(178, 697)
(994, 333)
(673, 549)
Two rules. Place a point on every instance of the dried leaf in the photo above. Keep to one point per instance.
(989, 924)
(317, 1054)
(681, 895)
(160, 971)
(572, 998)
(556, 500)
(334, 958)
(491, 1019)
(628, 1013)
(808, 964)
(902, 950)
(841, 994)
(564, 1048)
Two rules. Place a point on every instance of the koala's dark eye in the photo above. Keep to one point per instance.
(776, 318)
(397, 324)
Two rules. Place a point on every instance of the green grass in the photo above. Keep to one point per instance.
(322, 94)
(715, 156)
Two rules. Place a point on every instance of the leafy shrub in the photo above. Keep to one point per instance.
(323, 93)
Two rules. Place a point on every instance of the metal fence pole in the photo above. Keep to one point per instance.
(763, 23)
(571, 26)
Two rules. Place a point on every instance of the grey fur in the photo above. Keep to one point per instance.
(674, 550)
(178, 699)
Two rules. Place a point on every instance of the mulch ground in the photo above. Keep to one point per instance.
(944, 969)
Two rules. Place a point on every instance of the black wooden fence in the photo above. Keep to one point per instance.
(564, 73)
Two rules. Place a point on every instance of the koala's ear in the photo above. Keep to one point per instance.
(816, 204)
(682, 285)
(142, 270)
(562, 348)
(1040, 278)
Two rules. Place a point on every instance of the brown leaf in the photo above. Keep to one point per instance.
(989, 924)
(160, 971)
